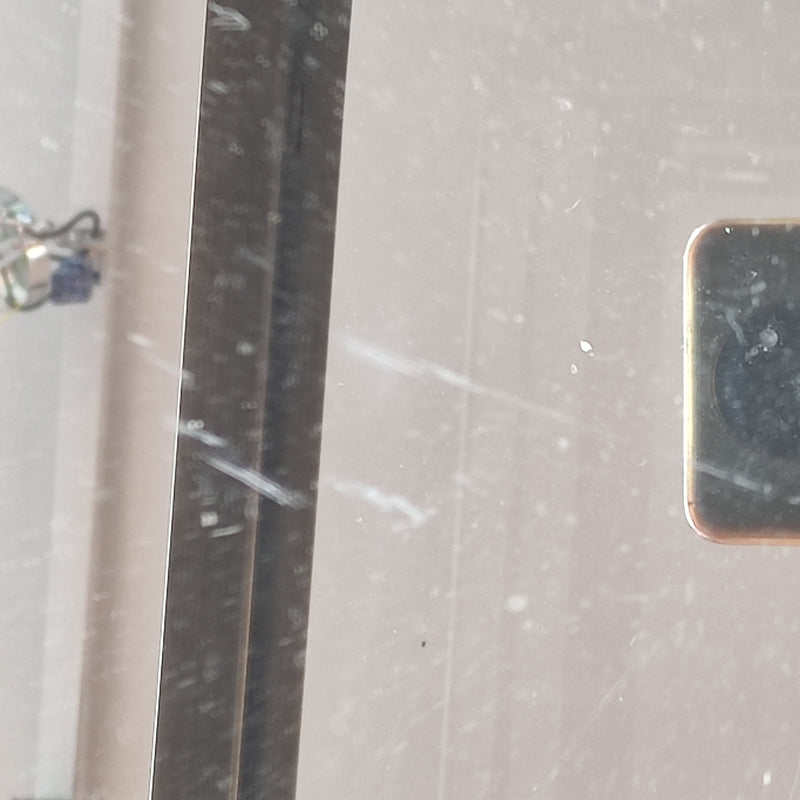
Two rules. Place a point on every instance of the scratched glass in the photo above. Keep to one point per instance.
(508, 601)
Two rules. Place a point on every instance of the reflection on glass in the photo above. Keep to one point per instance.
(99, 105)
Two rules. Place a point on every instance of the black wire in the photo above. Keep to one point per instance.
(55, 233)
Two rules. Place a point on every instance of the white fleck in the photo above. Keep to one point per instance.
(518, 318)
(245, 348)
(754, 231)
(573, 206)
(563, 443)
(586, 347)
(50, 144)
(665, 164)
(573, 368)
(767, 779)
(319, 31)
(690, 130)
(516, 603)
(698, 42)
(477, 84)
(139, 339)
(208, 519)
(768, 337)
(219, 87)
(564, 103)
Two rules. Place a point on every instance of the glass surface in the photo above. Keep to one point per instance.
(99, 107)
(508, 601)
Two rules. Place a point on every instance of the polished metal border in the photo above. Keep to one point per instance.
(258, 298)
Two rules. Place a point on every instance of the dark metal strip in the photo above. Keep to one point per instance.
(251, 401)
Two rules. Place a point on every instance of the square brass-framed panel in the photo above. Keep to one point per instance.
(742, 308)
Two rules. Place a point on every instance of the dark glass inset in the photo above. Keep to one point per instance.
(757, 380)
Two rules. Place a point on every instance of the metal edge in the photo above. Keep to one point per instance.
(247, 459)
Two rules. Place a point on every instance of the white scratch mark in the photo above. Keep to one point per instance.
(730, 318)
(744, 176)
(139, 339)
(573, 206)
(201, 435)
(731, 477)
(384, 501)
(219, 87)
(795, 781)
(228, 19)
(591, 718)
(464, 456)
(266, 487)
(393, 362)
(229, 531)
(162, 365)
(254, 258)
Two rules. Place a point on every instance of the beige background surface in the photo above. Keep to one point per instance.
(507, 601)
